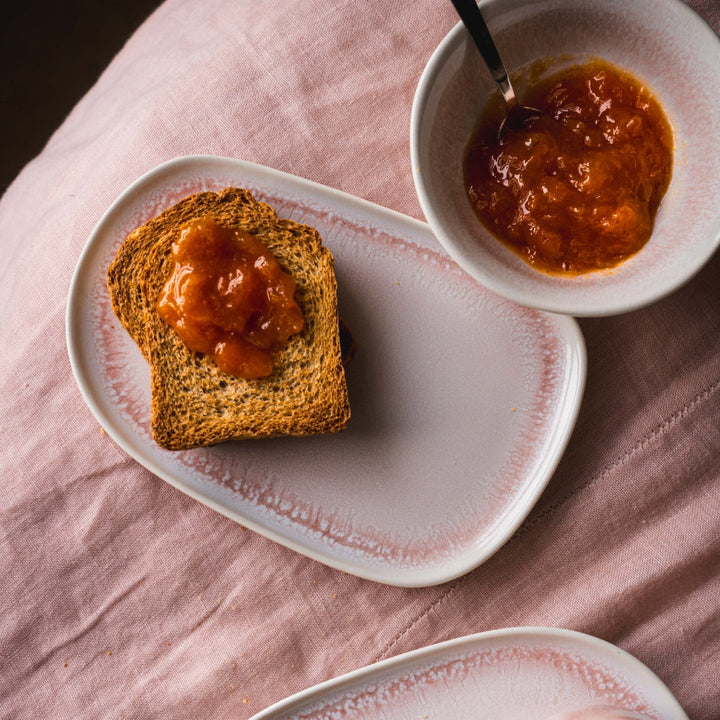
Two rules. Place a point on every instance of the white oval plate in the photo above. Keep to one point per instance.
(462, 402)
(510, 674)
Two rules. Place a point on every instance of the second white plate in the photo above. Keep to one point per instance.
(509, 674)
(462, 402)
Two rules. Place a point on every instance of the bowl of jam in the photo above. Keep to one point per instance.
(610, 199)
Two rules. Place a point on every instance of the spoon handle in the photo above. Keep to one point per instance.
(473, 20)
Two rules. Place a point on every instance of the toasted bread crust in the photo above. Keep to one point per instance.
(196, 404)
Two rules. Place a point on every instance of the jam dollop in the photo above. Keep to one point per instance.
(576, 190)
(228, 297)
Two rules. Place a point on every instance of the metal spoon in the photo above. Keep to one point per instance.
(516, 115)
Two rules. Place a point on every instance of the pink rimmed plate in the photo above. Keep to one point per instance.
(462, 402)
(510, 674)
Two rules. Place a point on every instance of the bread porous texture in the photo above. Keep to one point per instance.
(193, 402)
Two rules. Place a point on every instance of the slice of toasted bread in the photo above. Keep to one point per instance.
(196, 404)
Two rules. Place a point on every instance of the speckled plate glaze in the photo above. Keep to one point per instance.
(512, 674)
(462, 402)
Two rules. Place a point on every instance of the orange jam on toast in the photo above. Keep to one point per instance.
(227, 297)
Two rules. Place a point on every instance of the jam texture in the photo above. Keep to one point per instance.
(576, 190)
(227, 297)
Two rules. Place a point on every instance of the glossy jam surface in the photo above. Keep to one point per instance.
(578, 189)
(228, 297)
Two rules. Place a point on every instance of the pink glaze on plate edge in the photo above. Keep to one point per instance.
(602, 683)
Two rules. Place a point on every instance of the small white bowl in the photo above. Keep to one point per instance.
(662, 43)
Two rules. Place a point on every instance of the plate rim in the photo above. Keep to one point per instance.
(374, 672)
(412, 577)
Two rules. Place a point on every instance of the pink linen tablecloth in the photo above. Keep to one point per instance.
(124, 598)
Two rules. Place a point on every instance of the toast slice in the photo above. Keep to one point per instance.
(194, 403)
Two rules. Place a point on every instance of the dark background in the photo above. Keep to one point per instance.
(51, 54)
